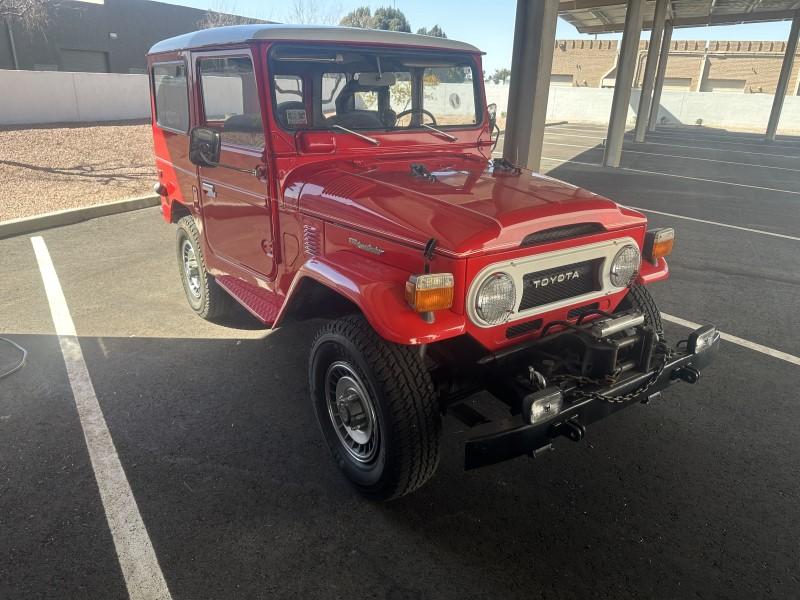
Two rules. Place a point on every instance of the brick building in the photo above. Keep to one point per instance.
(716, 66)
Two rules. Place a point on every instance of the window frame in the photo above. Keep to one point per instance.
(180, 61)
(417, 87)
(202, 121)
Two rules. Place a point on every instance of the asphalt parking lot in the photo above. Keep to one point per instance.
(695, 495)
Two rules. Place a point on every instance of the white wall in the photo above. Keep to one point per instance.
(57, 96)
(748, 112)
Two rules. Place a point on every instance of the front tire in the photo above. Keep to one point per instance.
(639, 299)
(203, 293)
(377, 409)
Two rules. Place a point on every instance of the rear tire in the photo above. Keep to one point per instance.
(377, 409)
(203, 293)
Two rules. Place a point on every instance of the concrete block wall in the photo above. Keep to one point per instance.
(756, 63)
(30, 97)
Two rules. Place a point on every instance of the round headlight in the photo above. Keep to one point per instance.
(495, 300)
(625, 266)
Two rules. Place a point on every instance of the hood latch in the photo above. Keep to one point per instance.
(419, 170)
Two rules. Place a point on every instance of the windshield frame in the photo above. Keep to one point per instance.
(467, 59)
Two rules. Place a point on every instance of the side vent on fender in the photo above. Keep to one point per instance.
(565, 232)
(346, 187)
(311, 242)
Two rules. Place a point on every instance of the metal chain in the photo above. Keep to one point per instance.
(665, 350)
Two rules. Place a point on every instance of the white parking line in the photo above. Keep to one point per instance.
(788, 144)
(745, 185)
(725, 162)
(596, 137)
(760, 231)
(692, 135)
(790, 358)
(137, 559)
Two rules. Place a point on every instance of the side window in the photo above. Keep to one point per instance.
(230, 100)
(289, 106)
(171, 96)
(332, 84)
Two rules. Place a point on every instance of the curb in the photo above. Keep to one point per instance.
(71, 216)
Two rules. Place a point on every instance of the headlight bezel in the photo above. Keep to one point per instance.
(624, 279)
(494, 279)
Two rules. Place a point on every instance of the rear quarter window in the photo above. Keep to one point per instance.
(171, 96)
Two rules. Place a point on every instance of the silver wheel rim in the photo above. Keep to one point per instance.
(351, 412)
(191, 270)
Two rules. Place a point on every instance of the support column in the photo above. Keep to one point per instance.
(531, 63)
(783, 79)
(648, 79)
(666, 42)
(629, 49)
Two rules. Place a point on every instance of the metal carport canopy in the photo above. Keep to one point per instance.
(605, 16)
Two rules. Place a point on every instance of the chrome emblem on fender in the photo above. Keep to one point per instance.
(365, 247)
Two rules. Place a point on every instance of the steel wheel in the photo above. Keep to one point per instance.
(352, 412)
(190, 268)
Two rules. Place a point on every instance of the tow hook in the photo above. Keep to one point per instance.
(688, 374)
(572, 429)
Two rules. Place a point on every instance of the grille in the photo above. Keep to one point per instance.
(561, 233)
(560, 283)
(517, 330)
(577, 312)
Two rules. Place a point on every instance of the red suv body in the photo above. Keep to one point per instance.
(348, 174)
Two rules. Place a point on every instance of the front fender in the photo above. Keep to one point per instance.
(378, 291)
(650, 273)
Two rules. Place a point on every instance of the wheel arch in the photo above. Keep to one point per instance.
(355, 284)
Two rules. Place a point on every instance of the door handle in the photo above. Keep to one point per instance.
(210, 190)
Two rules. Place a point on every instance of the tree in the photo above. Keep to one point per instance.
(33, 15)
(390, 19)
(434, 31)
(386, 18)
(313, 12)
(500, 75)
(221, 15)
(360, 17)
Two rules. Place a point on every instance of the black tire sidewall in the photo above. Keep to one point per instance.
(331, 347)
(185, 233)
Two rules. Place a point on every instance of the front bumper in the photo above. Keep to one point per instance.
(502, 440)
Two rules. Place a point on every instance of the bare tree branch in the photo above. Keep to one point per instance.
(33, 15)
(221, 15)
(313, 12)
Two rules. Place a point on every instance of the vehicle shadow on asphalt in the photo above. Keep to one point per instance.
(224, 456)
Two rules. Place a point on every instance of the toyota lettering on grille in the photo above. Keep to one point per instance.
(553, 279)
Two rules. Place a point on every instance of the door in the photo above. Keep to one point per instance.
(235, 204)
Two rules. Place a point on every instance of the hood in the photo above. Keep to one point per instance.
(468, 206)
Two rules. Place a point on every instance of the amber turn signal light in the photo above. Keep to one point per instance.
(658, 243)
(429, 292)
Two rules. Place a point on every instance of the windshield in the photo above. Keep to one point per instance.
(386, 90)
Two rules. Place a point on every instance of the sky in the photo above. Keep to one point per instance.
(487, 25)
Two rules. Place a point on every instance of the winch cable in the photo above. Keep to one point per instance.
(22, 359)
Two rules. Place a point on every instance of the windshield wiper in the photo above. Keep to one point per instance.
(452, 138)
(371, 140)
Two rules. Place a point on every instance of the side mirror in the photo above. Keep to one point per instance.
(492, 115)
(204, 146)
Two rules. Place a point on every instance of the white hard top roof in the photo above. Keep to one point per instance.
(238, 34)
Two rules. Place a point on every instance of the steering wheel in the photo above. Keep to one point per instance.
(411, 111)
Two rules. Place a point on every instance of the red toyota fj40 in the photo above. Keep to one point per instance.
(347, 174)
